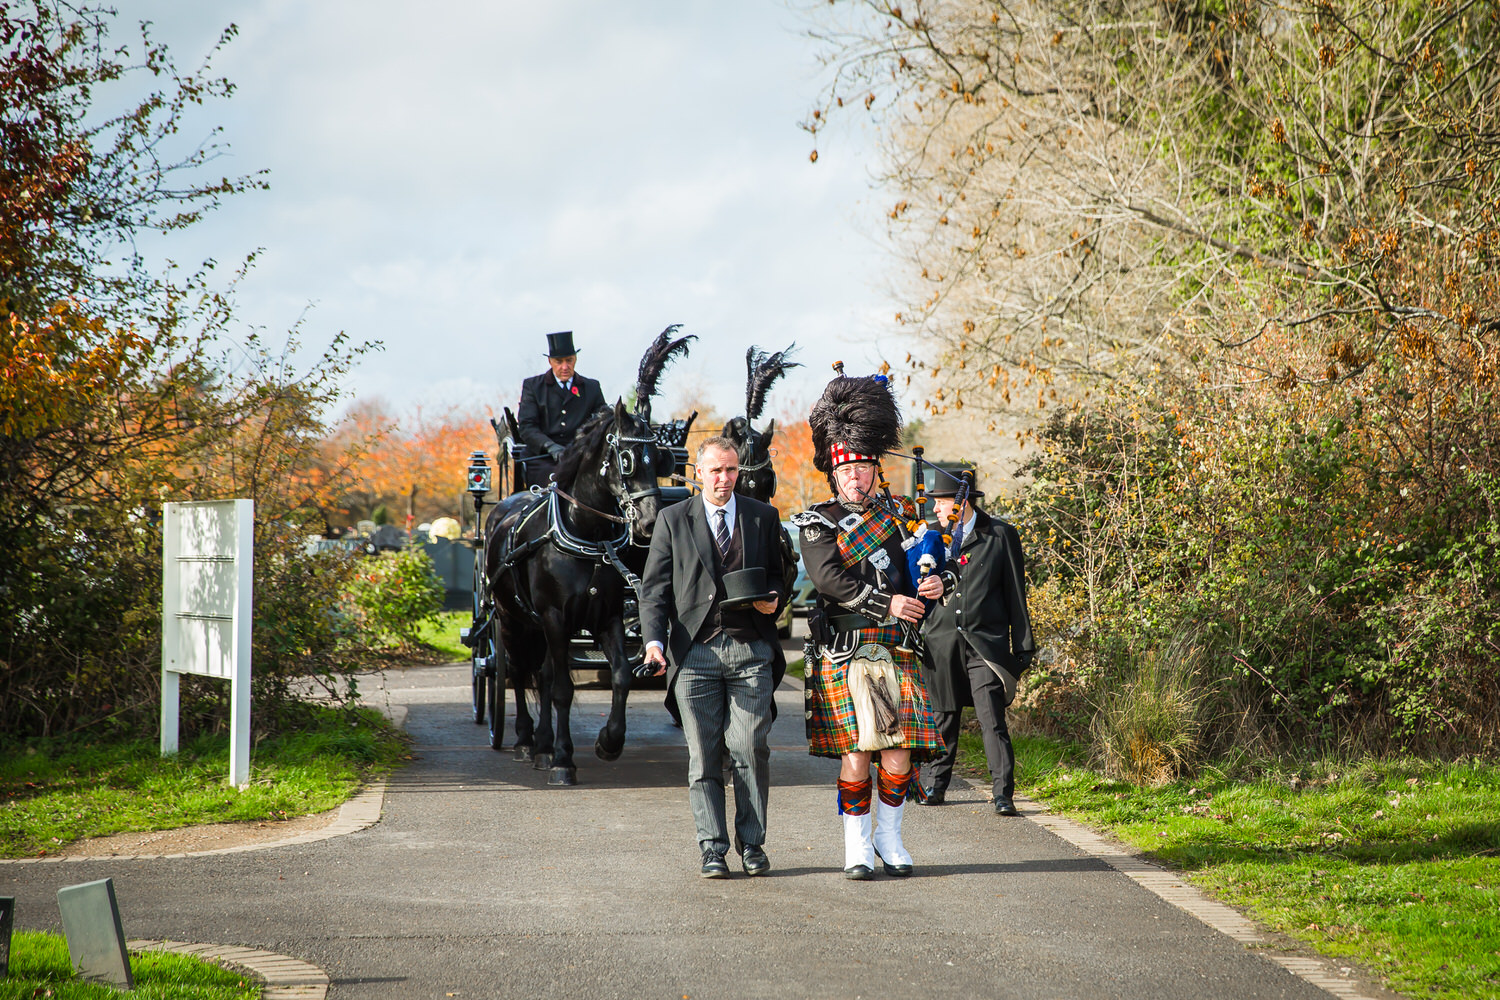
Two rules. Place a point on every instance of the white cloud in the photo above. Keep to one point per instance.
(458, 178)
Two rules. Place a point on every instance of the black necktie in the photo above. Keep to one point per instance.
(721, 533)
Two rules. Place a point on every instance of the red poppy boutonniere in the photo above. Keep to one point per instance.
(574, 390)
(963, 560)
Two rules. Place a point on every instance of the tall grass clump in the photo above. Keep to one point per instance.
(1149, 729)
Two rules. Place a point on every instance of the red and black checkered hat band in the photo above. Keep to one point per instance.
(841, 453)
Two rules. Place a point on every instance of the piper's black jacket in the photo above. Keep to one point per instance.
(548, 415)
(986, 612)
(861, 588)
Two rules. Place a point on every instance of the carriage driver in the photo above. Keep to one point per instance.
(554, 405)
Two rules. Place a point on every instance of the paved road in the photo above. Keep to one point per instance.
(481, 881)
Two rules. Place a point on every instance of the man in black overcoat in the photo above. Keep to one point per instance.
(978, 639)
(554, 405)
(722, 646)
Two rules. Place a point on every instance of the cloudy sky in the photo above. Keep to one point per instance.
(457, 178)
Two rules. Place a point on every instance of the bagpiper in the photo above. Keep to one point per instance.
(865, 697)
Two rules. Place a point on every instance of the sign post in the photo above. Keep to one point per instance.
(207, 577)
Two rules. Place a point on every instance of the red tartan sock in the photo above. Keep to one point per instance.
(854, 797)
(893, 787)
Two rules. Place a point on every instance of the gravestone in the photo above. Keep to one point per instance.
(96, 939)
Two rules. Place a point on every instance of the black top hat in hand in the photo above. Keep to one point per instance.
(560, 345)
(947, 481)
(744, 587)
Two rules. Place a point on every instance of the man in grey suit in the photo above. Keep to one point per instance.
(725, 659)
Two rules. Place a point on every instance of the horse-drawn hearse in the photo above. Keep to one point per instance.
(556, 572)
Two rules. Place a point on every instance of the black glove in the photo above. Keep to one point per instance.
(644, 670)
(555, 450)
(1026, 659)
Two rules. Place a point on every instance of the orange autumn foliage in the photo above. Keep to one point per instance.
(411, 462)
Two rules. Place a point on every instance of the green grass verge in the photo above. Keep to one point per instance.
(40, 967)
(440, 635)
(56, 792)
(1394, 865)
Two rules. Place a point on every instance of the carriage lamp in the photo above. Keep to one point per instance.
(479, 474)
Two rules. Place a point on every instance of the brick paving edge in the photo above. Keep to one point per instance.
(285, 978)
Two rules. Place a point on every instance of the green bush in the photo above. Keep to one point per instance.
(393, 595)
(1337, 599)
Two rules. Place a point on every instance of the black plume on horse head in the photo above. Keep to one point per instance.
(763, 370)
(662, 352)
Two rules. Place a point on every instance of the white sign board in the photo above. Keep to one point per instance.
(207, 577)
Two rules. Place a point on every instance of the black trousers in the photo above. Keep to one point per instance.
(989, 708)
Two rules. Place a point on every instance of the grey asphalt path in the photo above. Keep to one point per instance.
(481, 881)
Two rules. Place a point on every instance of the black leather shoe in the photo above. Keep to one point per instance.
(714, 866)
(894, 871)
(1005, 807)
(755, 861)
(936, 797)
(860, 873)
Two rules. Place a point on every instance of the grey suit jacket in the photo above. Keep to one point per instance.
(678, 585)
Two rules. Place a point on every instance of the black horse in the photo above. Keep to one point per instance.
(757, 475)
(553, 564)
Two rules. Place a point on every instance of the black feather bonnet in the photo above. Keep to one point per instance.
(859, 413)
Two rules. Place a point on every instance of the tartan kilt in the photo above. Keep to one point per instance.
(831, 729)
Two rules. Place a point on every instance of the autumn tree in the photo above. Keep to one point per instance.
(412, 462)
(1237, 260)
(119, 385)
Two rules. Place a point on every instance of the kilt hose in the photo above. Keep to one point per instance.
(831, 728)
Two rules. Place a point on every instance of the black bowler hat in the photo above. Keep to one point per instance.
(560, 345)
(745, 586)
(946, 482)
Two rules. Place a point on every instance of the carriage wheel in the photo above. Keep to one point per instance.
(482, 659)
(497, 688)
(481, 693)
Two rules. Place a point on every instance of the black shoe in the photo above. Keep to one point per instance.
(1005, 807)
(894, 871)
(755, 861)
(713, 864)
(860, 873)
(936, 797)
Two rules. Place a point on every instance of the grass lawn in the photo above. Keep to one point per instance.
(440, 635)
(40, 967)
(53, 792)
(1394, 865)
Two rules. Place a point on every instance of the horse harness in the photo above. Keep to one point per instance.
(604, 553)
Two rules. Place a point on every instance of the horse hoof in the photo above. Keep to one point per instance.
(603, 752)
(542, 761)
(523, 753)
(563, 776)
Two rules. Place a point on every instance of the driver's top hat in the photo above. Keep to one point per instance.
(950, 478)
(560, 345)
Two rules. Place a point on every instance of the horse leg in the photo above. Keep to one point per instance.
(525, 729)
(611, 740)
(554, 627)
(563, 770)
